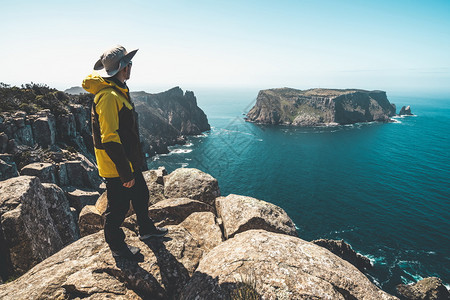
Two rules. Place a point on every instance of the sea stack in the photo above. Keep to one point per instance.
(405, 111)
(320, 107)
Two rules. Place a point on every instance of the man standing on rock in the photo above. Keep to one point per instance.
(118, 149)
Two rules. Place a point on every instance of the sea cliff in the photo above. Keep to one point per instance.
(320, 107)
(167, 118)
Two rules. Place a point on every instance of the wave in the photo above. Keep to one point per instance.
(376, 260)
(179, 151)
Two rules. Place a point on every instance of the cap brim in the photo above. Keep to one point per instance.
(98, 65)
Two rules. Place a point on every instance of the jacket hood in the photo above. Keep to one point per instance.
(94, 83)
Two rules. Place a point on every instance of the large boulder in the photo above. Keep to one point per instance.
(170, 212)
(277, 266)
(345, 251)
(86, 269)
(193, 184)
(430, 288)
(241, 213)
(62, 216)
(208, 234)
(45, 171)
(174, 211)
(79, 173)
(44, 130)
(155, 184)
(66, 127)
(29, 231)
(79, 198)
(90, 220)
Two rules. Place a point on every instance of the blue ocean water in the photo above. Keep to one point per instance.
(383, 188)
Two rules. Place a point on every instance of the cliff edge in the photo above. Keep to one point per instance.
(233, 247)
(320, 107)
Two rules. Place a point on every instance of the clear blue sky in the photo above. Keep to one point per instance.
(389, 45)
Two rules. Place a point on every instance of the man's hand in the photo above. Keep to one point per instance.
(129, 183)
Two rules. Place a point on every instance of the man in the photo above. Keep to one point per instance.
(118, 150)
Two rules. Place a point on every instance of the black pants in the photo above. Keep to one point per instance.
(118, 205)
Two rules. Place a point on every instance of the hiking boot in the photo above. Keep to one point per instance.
(126, 251)
(156, 232)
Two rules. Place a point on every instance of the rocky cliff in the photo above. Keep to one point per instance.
(39, 124)
(167, 118)
(206, 255)
(320, 107)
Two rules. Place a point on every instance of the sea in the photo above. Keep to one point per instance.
(384, 188)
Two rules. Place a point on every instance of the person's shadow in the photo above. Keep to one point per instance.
(174, 275)
(143, 283)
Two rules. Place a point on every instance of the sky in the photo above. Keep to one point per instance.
(397, 46)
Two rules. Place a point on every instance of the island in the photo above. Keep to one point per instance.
(320, 107)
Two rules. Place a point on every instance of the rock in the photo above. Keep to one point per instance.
(175, 210)
(241, 213)
(102, 203)
(86, 269)
(345, 251)
(277, 266)
(24, 135)
(320, 107)
(405, 111)
(156, 176)
(45, 171)
(90, 220)
(156, 191)
(204, 228)
(170, 212)
(44, 130)
(66, 126)
(79, 198)
(29, 231)
(79, 173)
(62, 216)
(12, 146)
(430, 288)
(3, 142)
(155, 184)
(193, 184)
(81, 116)
(8, 168)
(74, 213)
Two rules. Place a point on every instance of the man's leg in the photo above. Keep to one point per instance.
(140, 198)
(118, 205)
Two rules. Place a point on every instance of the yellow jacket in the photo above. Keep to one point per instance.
(114, 129)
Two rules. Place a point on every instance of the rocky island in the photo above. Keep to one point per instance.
(320, 107)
